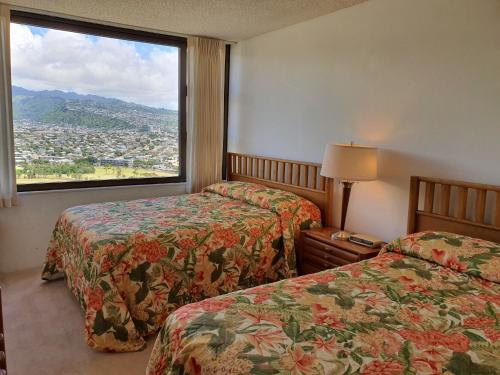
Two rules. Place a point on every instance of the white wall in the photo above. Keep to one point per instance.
(25, 229)
(419, 79)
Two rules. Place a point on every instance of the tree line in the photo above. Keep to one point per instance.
(45, 168)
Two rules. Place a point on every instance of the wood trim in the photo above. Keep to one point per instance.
(421, 220)
(276, 159)
(227, 69)
(99, 183)
(95, 28)
(468, 185)
(288, 179)
(429, 221)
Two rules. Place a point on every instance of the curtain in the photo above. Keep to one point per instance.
(205, 112)
(7, 160)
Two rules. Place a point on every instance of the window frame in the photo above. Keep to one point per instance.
(227, 71)
(96, 29)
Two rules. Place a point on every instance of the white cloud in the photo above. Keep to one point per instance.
(93, 65)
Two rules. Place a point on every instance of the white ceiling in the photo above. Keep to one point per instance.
(231, 20)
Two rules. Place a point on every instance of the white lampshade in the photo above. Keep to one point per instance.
(350, 162)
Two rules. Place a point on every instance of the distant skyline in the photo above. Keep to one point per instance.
(48, 59)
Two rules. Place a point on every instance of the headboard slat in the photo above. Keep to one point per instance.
(444, 205)
(315, 177)
(289, 167)
(281, 170)
(478, 225)
(480, 207)
(321, 182)
(286, 175)
(245, 164)
(261, 168)
(251, 166)
(274, 170)
(429, 197)
(296, 169)
(462, 202)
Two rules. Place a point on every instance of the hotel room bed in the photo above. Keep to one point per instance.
(130, 264)
(429, 304)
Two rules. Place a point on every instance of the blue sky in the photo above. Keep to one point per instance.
(144, 49)
(35, 30)
(45, 59)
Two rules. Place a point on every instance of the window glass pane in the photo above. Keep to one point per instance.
(92, 108)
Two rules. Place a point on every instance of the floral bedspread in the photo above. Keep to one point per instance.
(429, 304)
(130, 264)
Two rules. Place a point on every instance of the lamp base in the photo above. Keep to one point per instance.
(341, 235)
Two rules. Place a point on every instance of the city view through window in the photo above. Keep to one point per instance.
(89, 108)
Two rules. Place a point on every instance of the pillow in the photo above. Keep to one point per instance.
(291, 207)
(233, 189)
(472, 256)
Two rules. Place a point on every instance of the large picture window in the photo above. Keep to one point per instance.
(95, 105)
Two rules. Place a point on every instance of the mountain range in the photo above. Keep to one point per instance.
(91, 111)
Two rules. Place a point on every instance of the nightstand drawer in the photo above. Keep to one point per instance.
(308, 268)
(347, 256)
(324, 255)
(319, 262)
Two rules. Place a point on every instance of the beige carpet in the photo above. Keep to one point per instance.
(44, 332)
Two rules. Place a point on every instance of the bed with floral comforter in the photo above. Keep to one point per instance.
(429, 304)
(130, 264)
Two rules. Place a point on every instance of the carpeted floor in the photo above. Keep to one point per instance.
(44, 332)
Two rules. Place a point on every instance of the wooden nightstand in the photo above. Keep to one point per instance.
(318, 252)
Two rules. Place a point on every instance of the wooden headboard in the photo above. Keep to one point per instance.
(454, 206)
(301, 178)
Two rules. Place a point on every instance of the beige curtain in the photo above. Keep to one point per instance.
(7, 159)
(205, 112)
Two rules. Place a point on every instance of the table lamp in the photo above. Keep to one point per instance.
(349, 163)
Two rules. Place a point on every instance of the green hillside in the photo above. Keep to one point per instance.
(55, 111)
(35, 108)
(90, 111)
